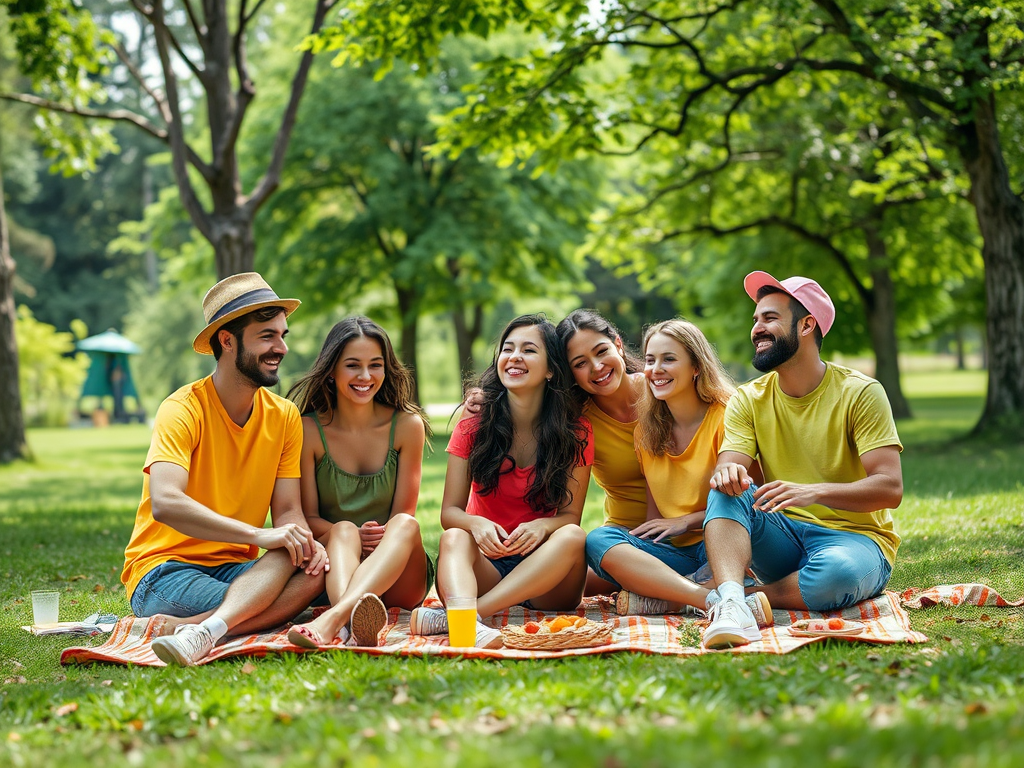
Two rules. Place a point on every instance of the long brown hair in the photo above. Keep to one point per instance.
(317, 392)
(589, 320)
(713, 385)
(561, 435)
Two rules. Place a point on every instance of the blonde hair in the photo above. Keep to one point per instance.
(713, 384)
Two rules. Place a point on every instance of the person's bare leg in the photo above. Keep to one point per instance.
(462, 569)
(381, 569)
(784, 593)
(344, 551)
(596, 585)
(298, 593)
(646, 575)
(727, 544)
(551, 577)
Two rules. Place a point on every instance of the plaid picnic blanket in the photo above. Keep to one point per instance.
(886, 623)
(952, 595)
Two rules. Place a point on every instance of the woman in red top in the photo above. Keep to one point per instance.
(513, 495)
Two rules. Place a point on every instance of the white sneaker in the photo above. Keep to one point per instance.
(188, 644)
(732, 623)
(486, 637)
(758, 604)
(633, 604)
(428, 621)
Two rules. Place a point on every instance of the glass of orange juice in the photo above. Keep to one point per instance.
(461, 621)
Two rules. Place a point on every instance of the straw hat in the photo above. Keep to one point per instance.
(233, 297)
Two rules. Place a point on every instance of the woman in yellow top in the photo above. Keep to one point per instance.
(609, 383)
(679, 431)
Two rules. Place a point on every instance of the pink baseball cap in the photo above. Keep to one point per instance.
(803, 289)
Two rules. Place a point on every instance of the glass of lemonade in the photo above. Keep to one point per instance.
(461, 621)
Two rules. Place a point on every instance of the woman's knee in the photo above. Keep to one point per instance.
(455, 539)
(404, 526)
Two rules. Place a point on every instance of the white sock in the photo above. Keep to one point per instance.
(216, 626)
(731, 590)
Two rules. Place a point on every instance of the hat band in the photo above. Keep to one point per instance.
(252, 297)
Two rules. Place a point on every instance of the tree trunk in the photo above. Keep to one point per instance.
(466, 333)
(1000, 215)
(881, 315)
(233, 243)
(961, 357)
(409, 318)
(13, 444)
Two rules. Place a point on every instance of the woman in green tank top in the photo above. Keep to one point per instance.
(362, 451)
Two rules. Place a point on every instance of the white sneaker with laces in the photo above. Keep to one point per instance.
(758, 604)
(732, 624)
(486, 637)
(428, 621)
(188, 644)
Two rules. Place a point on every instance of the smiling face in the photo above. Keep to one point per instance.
(261, 349)
(359, 372)
(668, 367)
(597, 362)
(523, 360)
(774, 334)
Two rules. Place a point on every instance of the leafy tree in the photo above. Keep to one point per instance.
(202, 55)
(953, 68)
(51, 373)
(365, 205)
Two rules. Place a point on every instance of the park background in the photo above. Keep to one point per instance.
(442, 167)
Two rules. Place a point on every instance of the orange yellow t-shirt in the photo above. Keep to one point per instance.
(616, 468)
(231, 470)
(679, 483)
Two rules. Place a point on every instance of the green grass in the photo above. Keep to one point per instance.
(954, 702)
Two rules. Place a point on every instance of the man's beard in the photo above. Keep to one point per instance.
(248, 364)
(779, 352)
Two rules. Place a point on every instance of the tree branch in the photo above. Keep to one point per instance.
(265, 187)
(117, 115)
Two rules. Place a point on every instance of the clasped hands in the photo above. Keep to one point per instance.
(305, 551)
(495, 542)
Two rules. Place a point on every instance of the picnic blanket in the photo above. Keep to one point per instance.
(952, 595)
(886, 623)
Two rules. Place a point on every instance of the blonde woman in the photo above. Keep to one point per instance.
(679, 432)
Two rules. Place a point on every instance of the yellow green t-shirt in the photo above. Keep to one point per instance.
(818, 438)
(231, 469)
(616, 468)
(679, 483)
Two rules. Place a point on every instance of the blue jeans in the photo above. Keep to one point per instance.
(836, 569)
(682, 560)
(184, 589)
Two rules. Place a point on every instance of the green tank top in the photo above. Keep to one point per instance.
(356, 498)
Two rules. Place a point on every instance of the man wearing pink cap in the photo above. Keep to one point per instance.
(818, 532)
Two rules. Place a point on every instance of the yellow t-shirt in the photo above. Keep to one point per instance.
(231, 469)
(679, 483)
(818, 438)
(616, 468)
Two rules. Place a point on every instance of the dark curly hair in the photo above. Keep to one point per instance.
(561, 435)
(589, 320)
(316, 391)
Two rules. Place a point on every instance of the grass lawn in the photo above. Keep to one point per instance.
(958, 701)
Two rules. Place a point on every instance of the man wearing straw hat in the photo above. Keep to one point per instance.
(224, 451)
(819, 530)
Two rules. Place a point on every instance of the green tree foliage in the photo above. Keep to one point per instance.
(205, 91)
(51, 376)
(365, 205)
(949, 73)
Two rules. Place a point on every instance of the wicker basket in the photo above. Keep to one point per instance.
(591, 633)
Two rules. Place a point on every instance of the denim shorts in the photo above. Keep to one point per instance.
(682, 560)
(836, 568)
(185, 589)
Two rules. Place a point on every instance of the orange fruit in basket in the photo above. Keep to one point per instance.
(835, 623)
(560, 623)
(581, 621)
(531, 628)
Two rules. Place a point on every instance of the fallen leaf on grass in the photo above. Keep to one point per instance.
(17, 664)
(368, 733)
(393, 725)
(66, 709)
(12, 736)
(107, 683)
(77, 577)
(16, 680)
(99, 588)
(248, 668)
(135, 725)
(975, 708)
(283, 717)
(401, 696)
(984, 617)
(439, 725)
